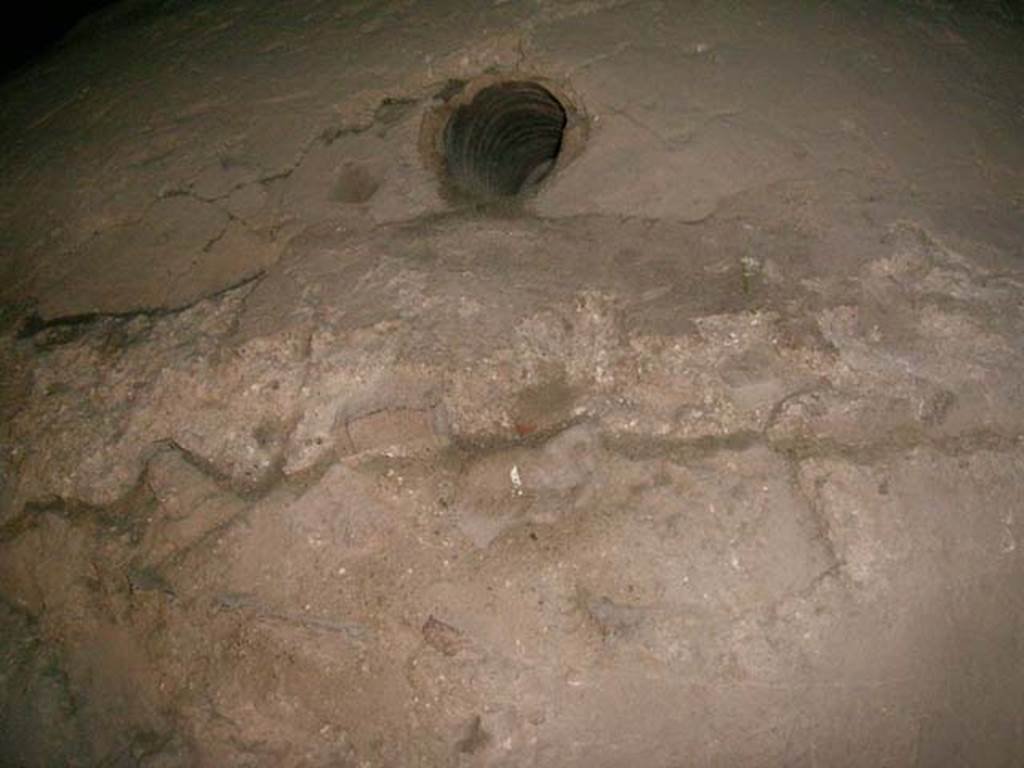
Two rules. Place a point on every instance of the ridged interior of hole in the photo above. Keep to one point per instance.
(505, 140)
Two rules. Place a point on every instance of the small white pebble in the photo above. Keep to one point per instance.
(517, 481)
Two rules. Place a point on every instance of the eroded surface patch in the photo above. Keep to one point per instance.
(499, 488)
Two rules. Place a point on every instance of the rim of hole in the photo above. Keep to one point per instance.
(481, 150)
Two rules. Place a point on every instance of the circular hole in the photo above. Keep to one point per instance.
(504, 141)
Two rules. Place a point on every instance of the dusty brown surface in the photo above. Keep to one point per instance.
(710, 455)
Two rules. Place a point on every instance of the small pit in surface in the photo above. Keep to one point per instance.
(504, 141)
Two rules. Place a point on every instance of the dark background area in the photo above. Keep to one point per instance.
(37, 27)
(41, 26)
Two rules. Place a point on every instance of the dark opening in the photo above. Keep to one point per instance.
(504, 141)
